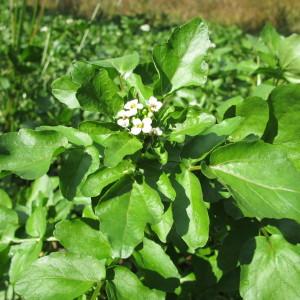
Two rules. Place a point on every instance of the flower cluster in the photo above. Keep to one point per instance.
(138, 118)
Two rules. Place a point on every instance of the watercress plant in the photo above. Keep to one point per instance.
(149, 198)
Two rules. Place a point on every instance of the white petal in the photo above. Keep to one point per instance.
(121, 114)
(136, 122)
(147, 128)
(147, 121)
(157, 131)
(152, 100)
(159, 105)
(131, 112)
(140, 106)
(136, 130)
(123, 122)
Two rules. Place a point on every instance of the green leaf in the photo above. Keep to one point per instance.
(5, 199)
(164, 185)
(189, 210)
(23, 256)
(60, 276)
(200, 146)
(95, 182)
(118, 146)
(82, 72)
(163, 227)
(194, 124)
(126, 285)
(100, 95)
(289, 58)
(99, 131)
(285, 107)
(73, 171)
(73, 135)
(28, 153)
(64, 89)
(8, 225)
(144, 92)
(124, 64)
(260, 177)
(37, 223)
(180, 61)
(133, 210)
(78, 237)
(153, 257)
(273, 272)
(255, 114)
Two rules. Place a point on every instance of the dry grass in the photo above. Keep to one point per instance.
(250, 14)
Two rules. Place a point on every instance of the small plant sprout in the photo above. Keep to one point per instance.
(138, 118)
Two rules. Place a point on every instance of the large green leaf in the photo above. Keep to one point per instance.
(95, 182)
(118, 146)
(60, 276)
(5, 199)
(73, 171)
(132, 210)
(8, 225)
(28, 153)
(285, 104)
(289, 57)
(22, 257)
(255, 114)
(124, 64)
(190, 212)
(273, 272)
(194, 124)
(126, 285)
(64, 89)
(180, 61)
(73, 135)
(153, 257)
(100, 95)
(37, 223)
(78, 237)
(264, 183)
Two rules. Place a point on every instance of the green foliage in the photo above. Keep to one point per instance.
(180, 197)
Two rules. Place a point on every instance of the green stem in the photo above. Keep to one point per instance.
(96, 291)
(195, 168)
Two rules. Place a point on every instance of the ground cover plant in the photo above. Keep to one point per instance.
(162, 190)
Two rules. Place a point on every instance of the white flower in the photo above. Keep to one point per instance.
(69, 21)
(123, 120)
(157, 131)
(141, 126)
(145, 27)
(133, 106)
(44, 29)
(154, 104)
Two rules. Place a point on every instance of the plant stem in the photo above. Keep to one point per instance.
(96, 291)
(195, 168)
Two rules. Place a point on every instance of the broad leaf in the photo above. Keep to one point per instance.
(37, 222)
(8, 225)
(95, 182)
(28, 153)
(118, 146)
(5, 199)
(64, 89)
(78, 237)
(153, 257)
(260, 177)
(124, 64)
(189, 210)
(73, 135)
(23, 256)
(285, 104)
(126, 285)
(100, 95)
(194, 124)
(255, 114)
(180, 61)
(132, 210)
(60, 276)
(273, 272)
